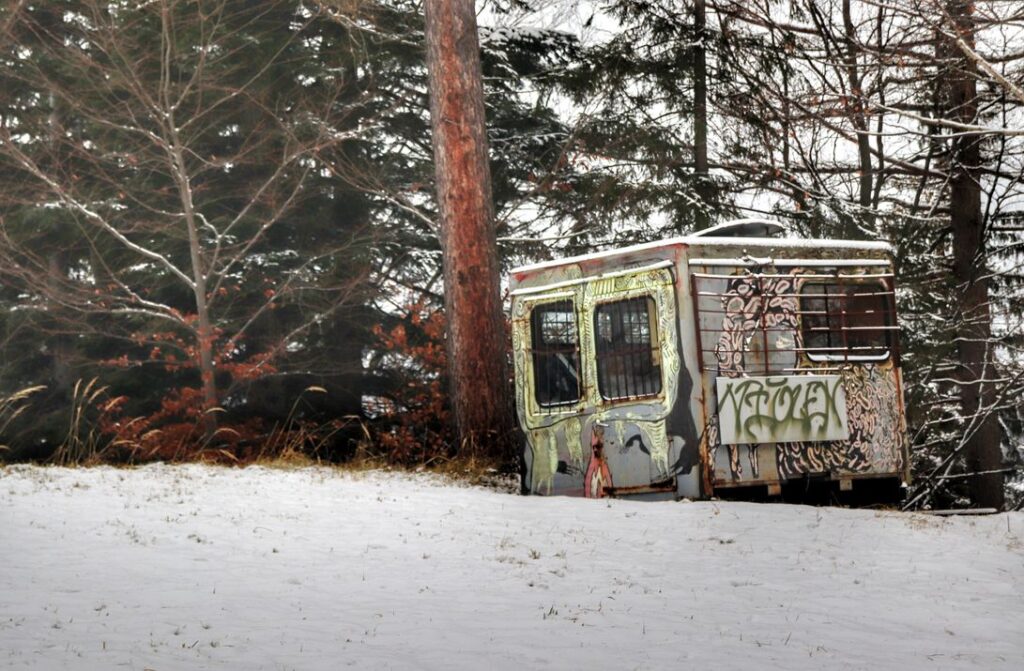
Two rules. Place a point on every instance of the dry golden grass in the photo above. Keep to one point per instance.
(291, 444)
(13, 406)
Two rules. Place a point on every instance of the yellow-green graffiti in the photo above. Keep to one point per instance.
(656, 438)
(778, 409)
(573, 441)
(551, 429)
(545, 459)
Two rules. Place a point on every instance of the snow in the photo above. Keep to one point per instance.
(195, 567)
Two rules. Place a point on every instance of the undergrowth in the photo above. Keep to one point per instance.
(98, 433)
(409, 428)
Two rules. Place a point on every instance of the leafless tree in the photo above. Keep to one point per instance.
(903, 117)
(172, 158)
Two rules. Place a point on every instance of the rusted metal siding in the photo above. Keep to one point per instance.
(750, 323)
(670, 440)
(633, 450)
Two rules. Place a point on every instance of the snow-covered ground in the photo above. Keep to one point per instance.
(199, 567)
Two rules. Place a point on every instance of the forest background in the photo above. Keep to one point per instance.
(219, 236)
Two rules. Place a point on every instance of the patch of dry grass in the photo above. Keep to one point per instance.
(13, 406)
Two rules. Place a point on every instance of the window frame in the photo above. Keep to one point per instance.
(846, 354)
(534, 379)
(654, 346)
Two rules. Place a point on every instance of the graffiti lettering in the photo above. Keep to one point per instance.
(780, 409)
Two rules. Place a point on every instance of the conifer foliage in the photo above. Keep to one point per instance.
(212, 207)
(209, 206)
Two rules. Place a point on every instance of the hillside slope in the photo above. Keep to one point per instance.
(198, 567)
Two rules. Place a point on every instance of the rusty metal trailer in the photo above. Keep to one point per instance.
(697, 366)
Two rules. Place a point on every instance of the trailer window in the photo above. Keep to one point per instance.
(851, 322)
(628, 350)
(556, 354)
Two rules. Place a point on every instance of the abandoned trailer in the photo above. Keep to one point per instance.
(727, 363)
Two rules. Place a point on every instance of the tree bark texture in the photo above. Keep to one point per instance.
(204, 326)
(982, 449)
(859, 119)
(62, 346)
(477, 363)
(700, 113)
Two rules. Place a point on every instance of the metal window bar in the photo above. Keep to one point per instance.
(843, 300)
(627, 349)
(764, 325)
(863, 305)
(555, 353)
(801, 276)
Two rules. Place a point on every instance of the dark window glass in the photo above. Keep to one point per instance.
(556, 354)
(845, 321)
(628, 349)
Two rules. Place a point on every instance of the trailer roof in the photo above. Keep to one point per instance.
(709, 241)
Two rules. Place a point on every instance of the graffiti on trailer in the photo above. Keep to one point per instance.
(877, 428)
(781, 408)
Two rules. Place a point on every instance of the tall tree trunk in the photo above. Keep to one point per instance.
(859, 119)
(204, 326)
(700, 114)
(480, 397)
(61, 345)
(57, 265)
(179, 169)
(977, 390)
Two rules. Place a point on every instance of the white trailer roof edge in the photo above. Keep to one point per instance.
(702, 241)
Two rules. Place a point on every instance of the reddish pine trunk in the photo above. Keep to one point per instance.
(477, 366)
